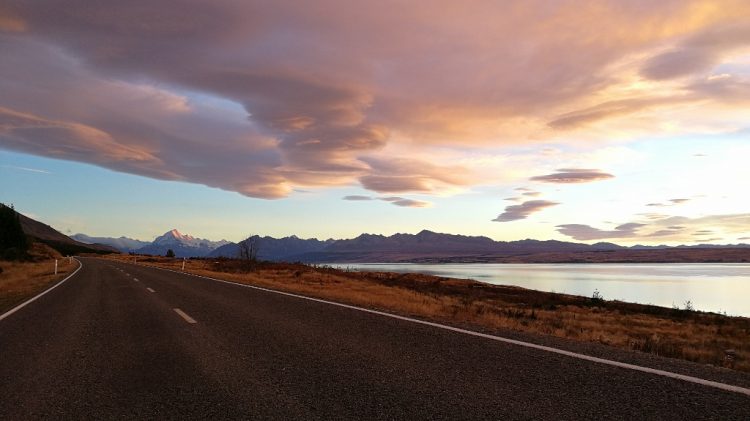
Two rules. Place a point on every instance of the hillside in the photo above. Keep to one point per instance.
(44, 233)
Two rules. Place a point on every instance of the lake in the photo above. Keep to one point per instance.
(717, 287)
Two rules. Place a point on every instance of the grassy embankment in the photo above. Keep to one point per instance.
(690, 335)
(22, 280)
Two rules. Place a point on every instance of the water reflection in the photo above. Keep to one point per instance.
(718, 287)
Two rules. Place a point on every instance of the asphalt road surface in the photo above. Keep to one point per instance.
(124, 341)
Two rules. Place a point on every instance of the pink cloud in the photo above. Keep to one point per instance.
(524, 210)
(265, 97)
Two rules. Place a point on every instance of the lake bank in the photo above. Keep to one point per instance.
(677, 333)
(715, 287)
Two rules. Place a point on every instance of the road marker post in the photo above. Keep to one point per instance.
(183, 262)
(55, 266)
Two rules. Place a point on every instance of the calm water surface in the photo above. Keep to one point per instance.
(719, 287)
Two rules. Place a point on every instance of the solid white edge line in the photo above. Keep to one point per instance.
(677, 376)
(150, 290)
(31, 300)
(184, 316)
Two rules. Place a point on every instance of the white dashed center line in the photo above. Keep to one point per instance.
(150, 290)
(185, 316)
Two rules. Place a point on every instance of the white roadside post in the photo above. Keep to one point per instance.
(183, 262)
(55, 266)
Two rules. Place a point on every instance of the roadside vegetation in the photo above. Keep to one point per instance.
(27, 267)
(671, 332)
(22, 279)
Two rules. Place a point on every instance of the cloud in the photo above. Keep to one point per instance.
(524, 210)
(672, 202)
(673, 228)
(34, 170)
(263, 98)
(586, 232)
(409, 203)
(30, 133)
(394, 200)
(698, 53)
(410, 175)
(678, 63)
(609, 109)
(357, 198)
(573, 175)
(708, 240)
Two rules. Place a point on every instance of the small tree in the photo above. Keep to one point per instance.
(170, 253)
(248, 251)
(13, 241)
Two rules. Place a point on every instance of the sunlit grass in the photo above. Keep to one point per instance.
(690, 335)
(22, 280)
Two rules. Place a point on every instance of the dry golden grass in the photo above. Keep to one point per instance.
(22, 280)
(689, 335)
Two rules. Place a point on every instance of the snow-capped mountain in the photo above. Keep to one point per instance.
(183, 245)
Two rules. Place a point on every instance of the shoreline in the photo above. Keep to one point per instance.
(664, 285)
(676, 333)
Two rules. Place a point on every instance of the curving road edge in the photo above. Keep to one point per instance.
(683, 377)
(36, 297)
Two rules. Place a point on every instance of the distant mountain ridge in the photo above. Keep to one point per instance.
(401, 247)
(276, 249)
(425, 246)
(124, 244)
(57, 240)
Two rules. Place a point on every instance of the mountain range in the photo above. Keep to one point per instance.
(182, 245)
(124, 244)
(44, 233)
(425, 246)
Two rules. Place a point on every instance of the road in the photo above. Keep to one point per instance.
(123, 341)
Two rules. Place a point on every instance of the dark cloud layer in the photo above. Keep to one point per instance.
(524, 210)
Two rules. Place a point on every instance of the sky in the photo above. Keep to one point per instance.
(588, 121)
